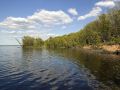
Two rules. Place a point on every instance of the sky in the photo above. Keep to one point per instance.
(47, 18)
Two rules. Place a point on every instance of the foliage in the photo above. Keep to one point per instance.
(32, 42)
(106, 29)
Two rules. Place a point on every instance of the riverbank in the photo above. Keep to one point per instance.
(113, 49)
(109, 49)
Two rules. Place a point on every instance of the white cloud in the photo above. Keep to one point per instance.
(97, 9)
(50, 17)
(39, 20)
(94, 12)
(17, 23)
(52, 35)
(106, 3)
(73, 11)
(34, 33)
(38, 24)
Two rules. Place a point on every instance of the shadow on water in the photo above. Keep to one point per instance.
(105, 67)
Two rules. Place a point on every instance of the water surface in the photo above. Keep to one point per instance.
(63, 69)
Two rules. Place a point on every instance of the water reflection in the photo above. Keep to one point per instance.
(105, 67)
(62, 69)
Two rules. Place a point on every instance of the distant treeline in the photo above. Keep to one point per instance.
(32, 42)
(104, 30)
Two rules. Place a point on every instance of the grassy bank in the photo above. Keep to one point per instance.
(31, 42)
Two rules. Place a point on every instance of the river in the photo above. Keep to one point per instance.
(59, 69)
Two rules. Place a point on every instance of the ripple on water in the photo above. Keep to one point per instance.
(41, 70)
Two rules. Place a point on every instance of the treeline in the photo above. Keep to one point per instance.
(104, 30)
(32, 42)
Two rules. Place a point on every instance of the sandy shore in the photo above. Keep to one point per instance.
(109, 48)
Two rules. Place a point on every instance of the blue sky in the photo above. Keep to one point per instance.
(45, 18)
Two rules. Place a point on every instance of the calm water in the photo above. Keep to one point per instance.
(63, 69)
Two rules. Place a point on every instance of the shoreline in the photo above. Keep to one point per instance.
(112, 49)
(109, 49)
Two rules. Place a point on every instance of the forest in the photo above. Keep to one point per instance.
(104, 30)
